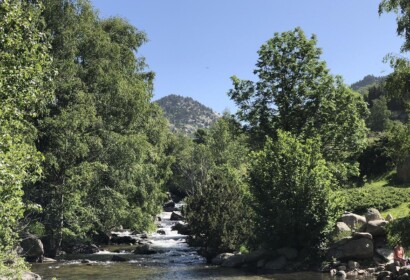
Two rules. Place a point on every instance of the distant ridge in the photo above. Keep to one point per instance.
(186, 114)
(368, 81)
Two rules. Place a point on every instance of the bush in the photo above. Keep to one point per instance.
(399, 231)
(382, 198)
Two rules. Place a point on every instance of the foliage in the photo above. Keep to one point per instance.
(296, 93)
(291, 185)
(358, 200)
(24, 90)
(104, 142)
(379, 119)
(398, 232)
(217, 206)
(398, 145)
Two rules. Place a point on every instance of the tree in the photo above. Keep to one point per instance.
(379, 119)
(293, 200)
(218, 206)
(296, 93)
(25, 88)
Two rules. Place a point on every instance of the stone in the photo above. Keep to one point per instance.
(351, 248)
(342, 227)
(169, 204)
(376, 227)
(176, 216)
(333, 272)
(342, 267)
(404, 269)
(261, 263)
(255, 256)
(161, 231)
(123, 239)
(181, 228)
(234, 261)
(404, 277)
(386, 253)
(353, 221)
(383, 274)
(144, 249)
(351, 265)
(288, 253)
(83, 249)
(358, 235)
(341, 273)
(389, 217)
(276, 264)
(372, 214)
(48, 260)
(361, 272)
(30, 276)
(33, 248)
(392, 267)
(117, 258)
(219, 259)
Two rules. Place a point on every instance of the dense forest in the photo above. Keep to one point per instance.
(84, 150)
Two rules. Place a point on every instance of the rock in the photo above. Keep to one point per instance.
(219, 259)
(33, 248)
(358, 235)
(261, 263)
(288, 253)
(276, 264)
(176, 216)
(83, 249)
(161, 231)
(386, 253)
(342, 227)
(353, 221)
(351, 248)
(361, 272)
(383, 274)
(169, 204)
(371, 270)
(48, 260)
(116, 258)
(389, 217)
(181, 228)
(351, 265)
(392, 267)
(404, 269)
(342, 267)
(333, 272)
(30, 276)
(255, 256)
(376, 227)
(144, 249)
(373, 214)
(234, 261)
(341, 273)
(404, 277)
(123, 239)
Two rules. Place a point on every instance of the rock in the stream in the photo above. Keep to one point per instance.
(351, 248)
(276, 264)
(176, 216)
(32, 246)
(144, 249)
(117, 258)
(123, 239)
(181, 228)
(219, 259)
(342, 227)
(83, 249)
(386, 253)
(234, 261)
(48, 260)
(169, 204)
(161, 231)
(30, 276)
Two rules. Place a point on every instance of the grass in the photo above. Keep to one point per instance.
(400, 211)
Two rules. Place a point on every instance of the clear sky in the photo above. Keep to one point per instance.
(195, 46)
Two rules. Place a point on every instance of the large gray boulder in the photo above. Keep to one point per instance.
(176, 216)
(351, 249)
(144, 249)
(373, 214)
(234, 261)
(219, 259)
(30, 276)
(342, 227)
(353, 221)
(32, 246)
(255, 256)
(276, 264)
(376, 227)
(385, 253)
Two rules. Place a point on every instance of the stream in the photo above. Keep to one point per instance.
(173, 259)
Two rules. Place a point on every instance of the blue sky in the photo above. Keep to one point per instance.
(195, 46)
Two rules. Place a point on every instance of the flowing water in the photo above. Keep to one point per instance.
(173, 260)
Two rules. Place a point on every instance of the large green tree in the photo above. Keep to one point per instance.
(103, 140)
(293, 200)
(25, 88)
(296, 93)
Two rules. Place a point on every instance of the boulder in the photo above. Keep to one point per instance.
(385, 253)
(288, 253)
(351, 265)
(351, 248)
(169, 204)
(353, 221)
(49, 260)
(161, 231)
(83, 249)
(341, 273)
(342, 227)
(234, 261)
(117, 258)
(276, 264)
(176, 216)
(376, 227)
(123, 239)
(30, 276)
(144, 249)
(358, 235)
(219, 259)
(33, 248)
(255, 256)
(182, 228)
(389, 217)
(373, 214)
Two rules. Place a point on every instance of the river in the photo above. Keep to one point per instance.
(174, 260)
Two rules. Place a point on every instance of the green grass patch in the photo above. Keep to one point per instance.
(400, 211)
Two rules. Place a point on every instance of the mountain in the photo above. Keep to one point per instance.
(367, 82)
(186, 114)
